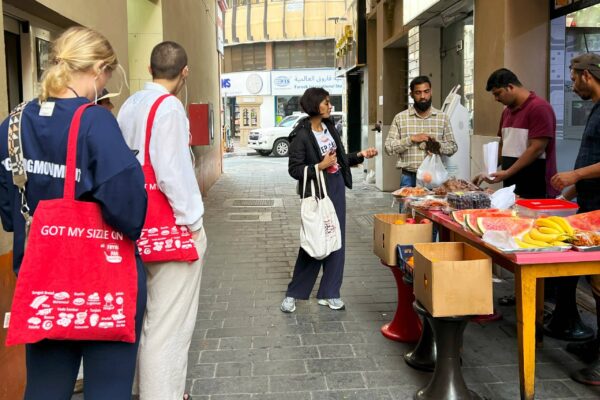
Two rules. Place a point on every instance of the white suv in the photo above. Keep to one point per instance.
(275, 140)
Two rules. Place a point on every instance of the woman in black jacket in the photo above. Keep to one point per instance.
(316, 143)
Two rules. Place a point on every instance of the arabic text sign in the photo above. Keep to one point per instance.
(296, 82)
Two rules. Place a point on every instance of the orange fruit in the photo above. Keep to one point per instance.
(427, 177)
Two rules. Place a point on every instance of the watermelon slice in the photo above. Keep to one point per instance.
(515, 226)
(470, 219)
(459, 215)
(589, 221)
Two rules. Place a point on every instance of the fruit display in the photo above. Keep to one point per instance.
(548, 232)
(469, 200)
(589, 221)
(459, 216)
(515, 226)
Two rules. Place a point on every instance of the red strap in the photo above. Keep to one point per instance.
(70, 168)
(149, 124)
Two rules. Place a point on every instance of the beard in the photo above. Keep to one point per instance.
(423, 105)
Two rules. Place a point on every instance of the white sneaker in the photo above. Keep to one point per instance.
(288, 305)
(334, 304)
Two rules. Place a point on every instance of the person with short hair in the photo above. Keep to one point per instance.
(413, 127)
(527, 138)
(110, 176)
(315, 143)
(584, 182)
(173, 287)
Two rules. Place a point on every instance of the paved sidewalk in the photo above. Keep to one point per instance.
(245, 348)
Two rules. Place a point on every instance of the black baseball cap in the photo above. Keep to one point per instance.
(589, 61)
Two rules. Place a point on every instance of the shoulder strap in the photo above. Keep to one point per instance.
(15, 152)
(149, 124)
(71, 168)
(15, 149)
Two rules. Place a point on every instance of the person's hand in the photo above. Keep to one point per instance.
(329, 160)
(419, 137)
(196, 234)
(368, 153)
(564, 179)
(478, 179)
(497, 176)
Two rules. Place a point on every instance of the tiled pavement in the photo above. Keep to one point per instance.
(244, 347)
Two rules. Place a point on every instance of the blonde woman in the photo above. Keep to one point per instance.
(109, 175)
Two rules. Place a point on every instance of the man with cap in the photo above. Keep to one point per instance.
(584, 182)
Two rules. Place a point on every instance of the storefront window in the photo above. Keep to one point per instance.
(287, 105)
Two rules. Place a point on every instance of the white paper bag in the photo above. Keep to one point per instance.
(490, 157)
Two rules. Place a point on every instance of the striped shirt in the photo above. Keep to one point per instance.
(407, 123)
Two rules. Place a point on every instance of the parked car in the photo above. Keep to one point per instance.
(275, 140)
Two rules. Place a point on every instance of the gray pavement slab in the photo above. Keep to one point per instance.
(245, 348)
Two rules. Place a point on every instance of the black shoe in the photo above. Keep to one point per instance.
(588, 376)
(569, 328)
(507, 300)
(587, 351)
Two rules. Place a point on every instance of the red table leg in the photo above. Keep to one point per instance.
(406, 325)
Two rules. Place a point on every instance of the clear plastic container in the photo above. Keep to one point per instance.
(536, 208)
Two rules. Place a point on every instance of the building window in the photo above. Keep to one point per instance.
(245, 57)
(304, 54)
(246, 2)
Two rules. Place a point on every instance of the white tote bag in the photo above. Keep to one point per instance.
(320, 233)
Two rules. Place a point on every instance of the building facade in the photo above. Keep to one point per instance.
(462, 43)
(274, 50)
(133, 27)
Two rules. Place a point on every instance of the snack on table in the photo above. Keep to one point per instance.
(418, 191)
(430, 204)
(467, 200)
(586, 238)
(456, 185)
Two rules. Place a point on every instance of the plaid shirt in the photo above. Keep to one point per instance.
(408, 122)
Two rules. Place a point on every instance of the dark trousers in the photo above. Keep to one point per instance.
(307, 268)
(109, 367)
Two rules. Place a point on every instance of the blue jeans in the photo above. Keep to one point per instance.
(408, 180)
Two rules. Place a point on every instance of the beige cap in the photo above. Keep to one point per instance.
(589, 61)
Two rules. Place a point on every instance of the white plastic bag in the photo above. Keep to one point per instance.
(320, 233)
(431, 172)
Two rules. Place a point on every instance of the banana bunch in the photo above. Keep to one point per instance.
(548, 232)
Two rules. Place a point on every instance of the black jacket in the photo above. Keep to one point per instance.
(304, 150)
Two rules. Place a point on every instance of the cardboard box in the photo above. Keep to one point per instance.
(386, 235)
(452, 279)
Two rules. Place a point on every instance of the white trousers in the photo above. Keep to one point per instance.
(173, 290)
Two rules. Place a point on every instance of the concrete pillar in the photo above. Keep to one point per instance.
(511, 34)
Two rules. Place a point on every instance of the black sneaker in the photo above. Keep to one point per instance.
(587, 351)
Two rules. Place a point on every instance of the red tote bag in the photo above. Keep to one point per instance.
(162, 239)
(78, 278)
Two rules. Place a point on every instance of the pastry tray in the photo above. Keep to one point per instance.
(553, 249)
(586, 248)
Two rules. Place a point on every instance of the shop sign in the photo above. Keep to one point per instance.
(413, 8)
(296, 82)
(246, 84)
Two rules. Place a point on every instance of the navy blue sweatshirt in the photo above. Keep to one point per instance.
(109, 173)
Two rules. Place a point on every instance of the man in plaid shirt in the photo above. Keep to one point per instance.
(413, 127)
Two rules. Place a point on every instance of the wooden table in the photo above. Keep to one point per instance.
(529, 269)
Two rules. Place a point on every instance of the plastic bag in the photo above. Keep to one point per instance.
(431, 172)
(504, 198)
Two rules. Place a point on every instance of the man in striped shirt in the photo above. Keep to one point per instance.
(412, 128)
